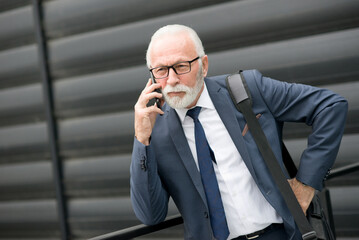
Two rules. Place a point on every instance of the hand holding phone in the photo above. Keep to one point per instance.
(146, 112)
(155, 100)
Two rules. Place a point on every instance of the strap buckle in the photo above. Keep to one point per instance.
(310, 236)
(252, 237)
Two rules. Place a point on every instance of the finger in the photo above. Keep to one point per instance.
(152, 87)
(144, 99)
(155, 109)
(155, 95)
(147, 97)
(149, 82)
(148, 111)
(159, 106)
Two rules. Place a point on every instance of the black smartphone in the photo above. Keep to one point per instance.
(155, 100)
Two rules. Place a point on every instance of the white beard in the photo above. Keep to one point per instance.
(190, 93)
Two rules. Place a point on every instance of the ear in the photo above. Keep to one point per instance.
(204, 65)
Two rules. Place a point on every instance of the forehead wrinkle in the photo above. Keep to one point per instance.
(171, 49)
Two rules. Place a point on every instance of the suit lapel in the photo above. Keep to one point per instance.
(223, 105)
(181, 144)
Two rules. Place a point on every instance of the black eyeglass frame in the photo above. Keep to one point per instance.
(168, 68)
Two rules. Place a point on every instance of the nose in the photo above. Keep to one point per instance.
(172, 77)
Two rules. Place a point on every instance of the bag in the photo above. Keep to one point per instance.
(317, 217)
(315, 225)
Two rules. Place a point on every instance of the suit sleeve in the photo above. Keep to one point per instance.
(320, 108)
(149, 198)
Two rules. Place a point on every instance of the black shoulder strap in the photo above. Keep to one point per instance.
(236, 87)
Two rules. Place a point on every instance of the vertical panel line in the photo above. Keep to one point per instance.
(50, 116)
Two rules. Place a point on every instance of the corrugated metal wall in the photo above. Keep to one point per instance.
(96, 58)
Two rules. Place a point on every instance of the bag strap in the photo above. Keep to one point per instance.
(237, 88)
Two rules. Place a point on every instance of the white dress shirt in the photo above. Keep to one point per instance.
(246, 209)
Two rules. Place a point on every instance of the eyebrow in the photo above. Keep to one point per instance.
(163, 65)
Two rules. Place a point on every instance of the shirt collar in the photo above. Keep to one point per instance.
(204, 101)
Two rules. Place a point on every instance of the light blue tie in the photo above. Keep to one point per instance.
(205, 157)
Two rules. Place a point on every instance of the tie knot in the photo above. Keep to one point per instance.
(194, 112)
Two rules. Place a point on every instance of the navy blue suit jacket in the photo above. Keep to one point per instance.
(166, 167)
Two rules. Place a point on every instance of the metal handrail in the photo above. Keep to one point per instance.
(340, 171)
(140, 230)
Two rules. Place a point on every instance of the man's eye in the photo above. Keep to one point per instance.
(181, 65)
(161, 70)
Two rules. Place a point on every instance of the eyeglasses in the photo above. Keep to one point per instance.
(179, 68)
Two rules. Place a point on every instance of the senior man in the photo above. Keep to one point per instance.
(195, 150)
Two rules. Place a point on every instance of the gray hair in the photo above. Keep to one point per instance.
(173, 30)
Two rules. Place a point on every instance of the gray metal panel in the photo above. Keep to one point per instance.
(319, 59)
(87, 177)
(6, 5)
(78, 55)
(98, 176)
(19, 211)
(345, 206)
(241, 22)
(28, 219)
(16, 28)
(91, 217)
(19, 66)
(23, 143)
(73, 17)
(107, 91)
(306, 60)
(25, 174)
(104, 134)
(26, 181)
(21, 105)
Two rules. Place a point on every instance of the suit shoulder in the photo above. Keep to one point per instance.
(250, 75)
(219, 79)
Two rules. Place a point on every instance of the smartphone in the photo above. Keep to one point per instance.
(155, 100)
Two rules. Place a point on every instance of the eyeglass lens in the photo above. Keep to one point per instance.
(179, 68)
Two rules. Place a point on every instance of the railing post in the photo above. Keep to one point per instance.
(50, 116)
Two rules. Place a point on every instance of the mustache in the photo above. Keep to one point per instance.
(177, 88)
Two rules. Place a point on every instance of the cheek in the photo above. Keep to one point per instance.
(190, 80)
(163, 83)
